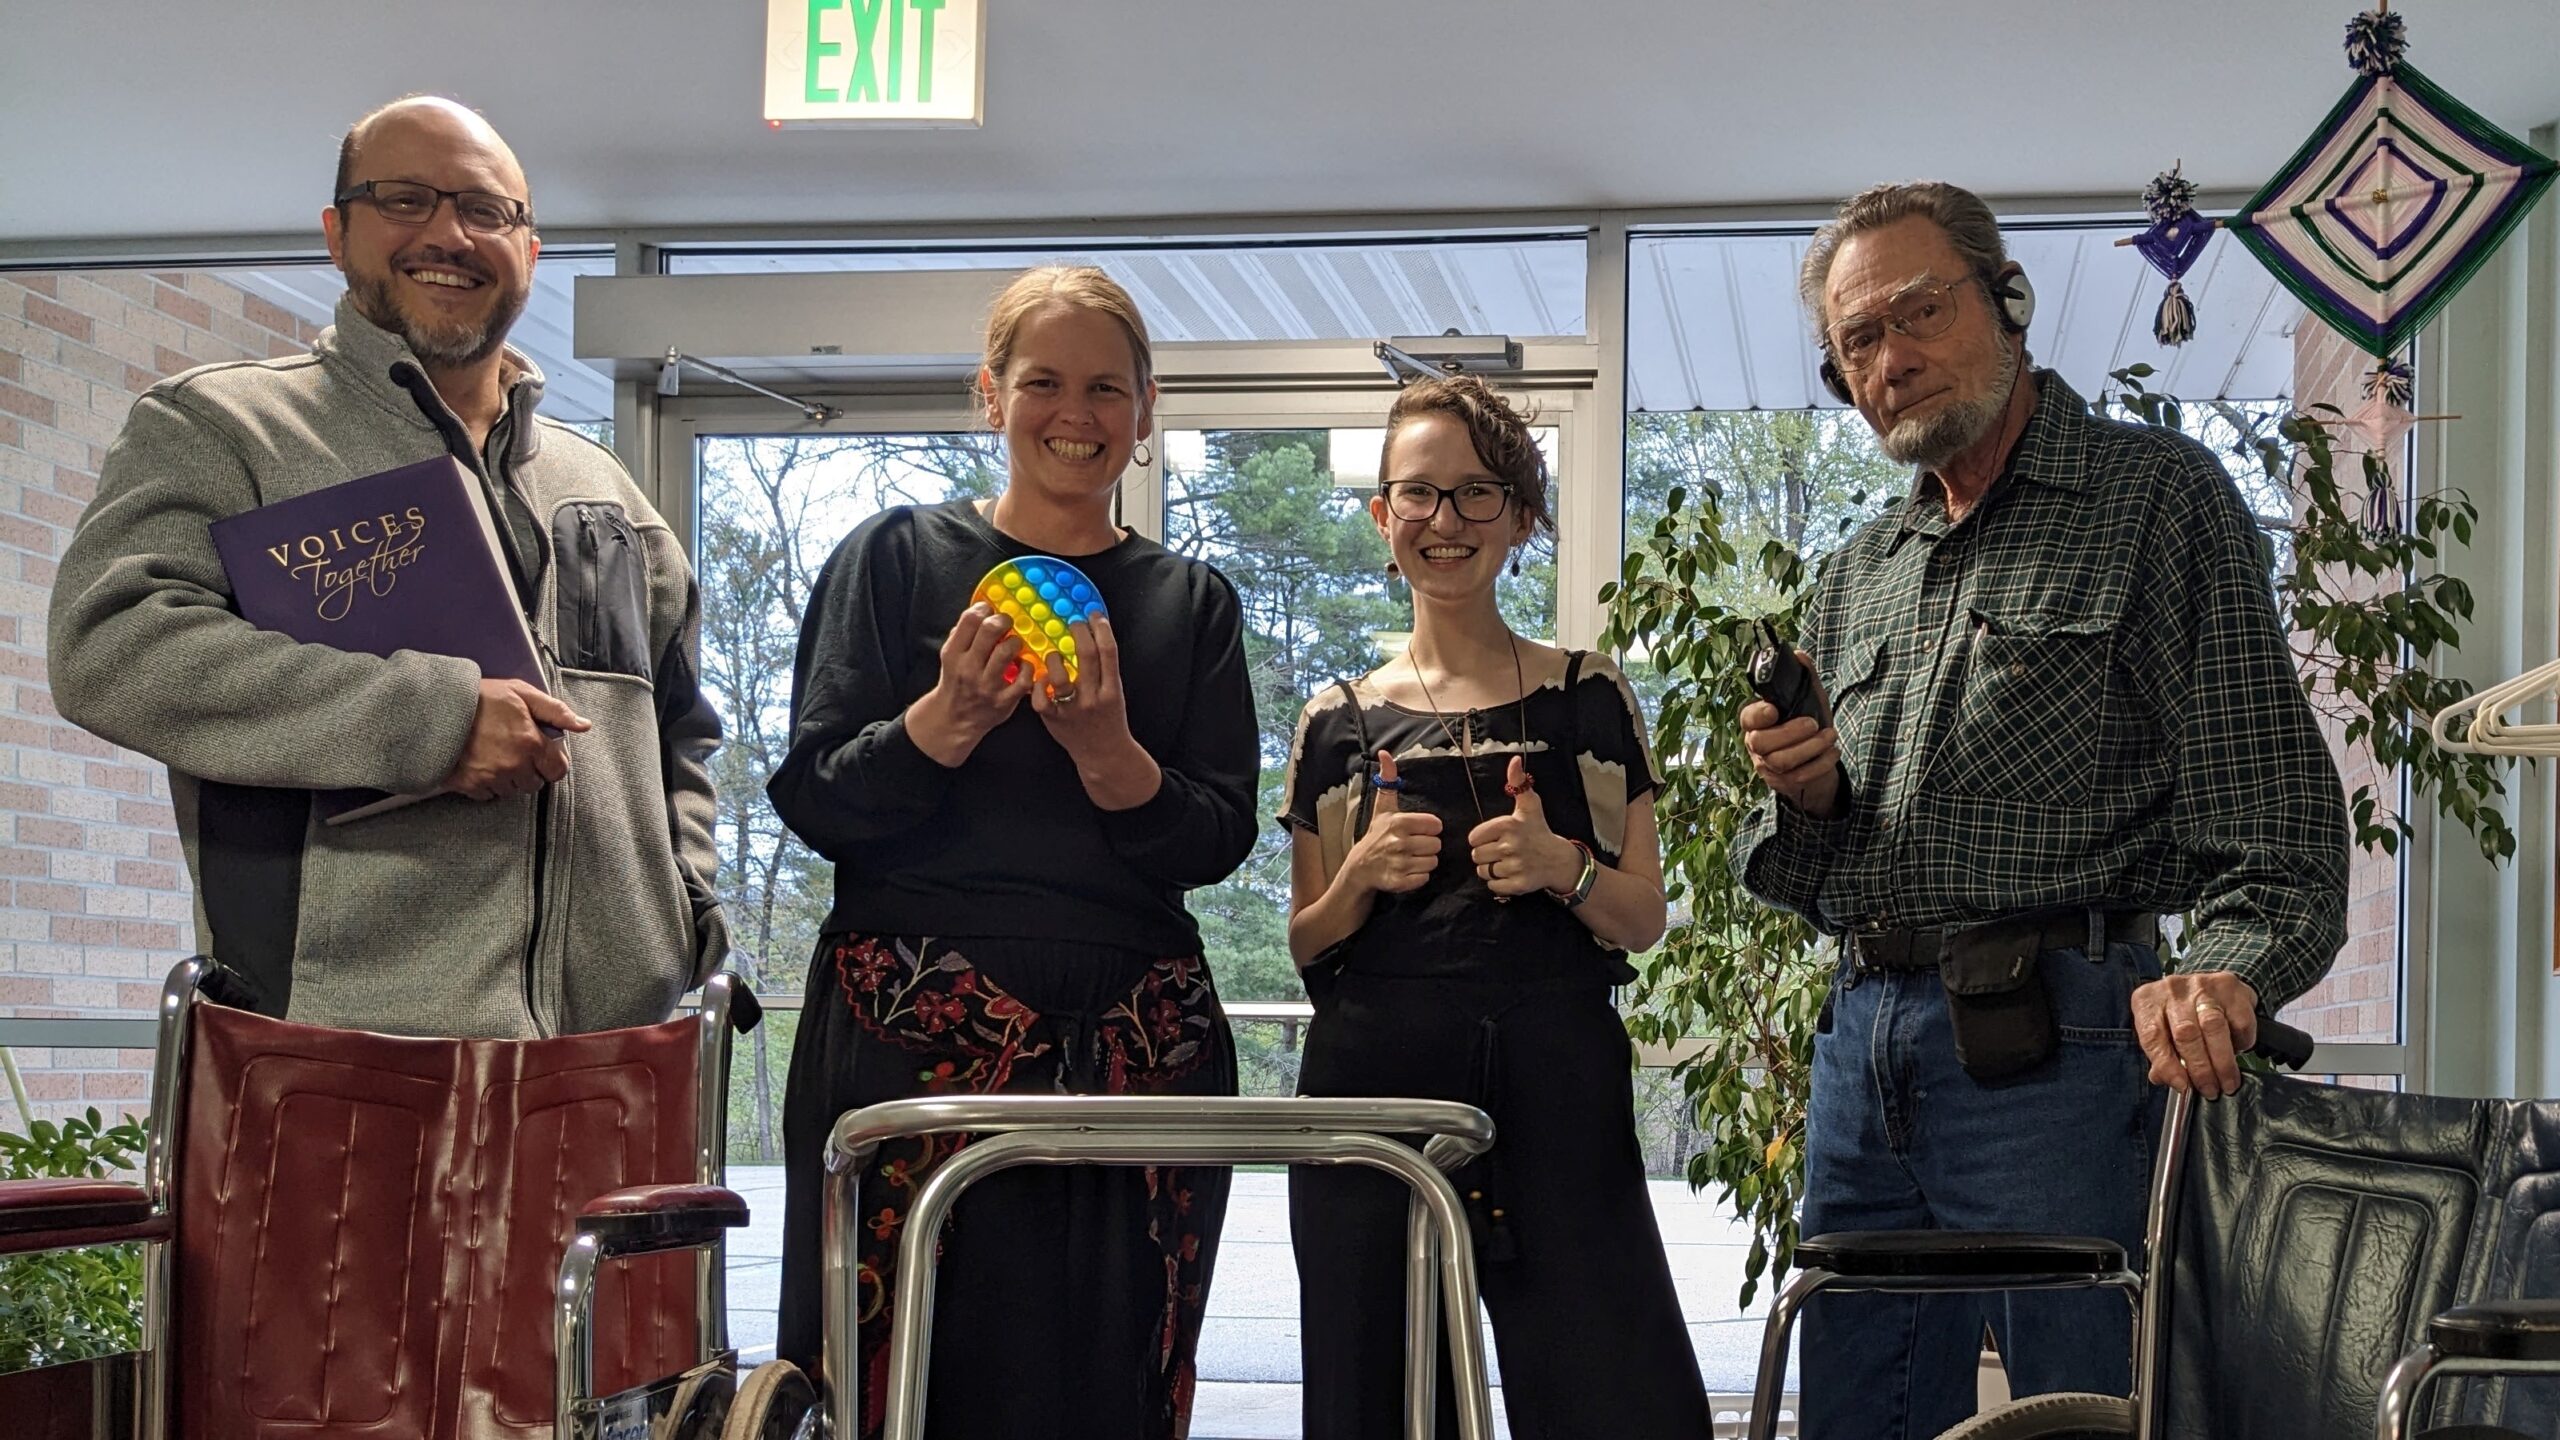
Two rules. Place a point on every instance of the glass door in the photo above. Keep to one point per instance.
(761, 508)
(1272, 488)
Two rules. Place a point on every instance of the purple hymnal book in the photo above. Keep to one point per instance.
(404, 560)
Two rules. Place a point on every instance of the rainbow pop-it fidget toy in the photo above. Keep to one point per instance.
(1042, 596)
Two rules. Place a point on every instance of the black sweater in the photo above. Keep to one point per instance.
(1008, 844)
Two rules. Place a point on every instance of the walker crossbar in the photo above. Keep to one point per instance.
(1153, 1130)
(858, 1132)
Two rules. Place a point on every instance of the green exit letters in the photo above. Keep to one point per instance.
(882, 53)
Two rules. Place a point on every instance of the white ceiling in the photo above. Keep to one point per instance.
(162, 118)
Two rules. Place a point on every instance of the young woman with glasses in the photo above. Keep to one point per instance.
(1473, 855)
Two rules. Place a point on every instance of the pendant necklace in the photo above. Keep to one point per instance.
(1458, 737)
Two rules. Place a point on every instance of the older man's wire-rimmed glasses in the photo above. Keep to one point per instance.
(1924, 311)
(1476, 501)
(406, 202)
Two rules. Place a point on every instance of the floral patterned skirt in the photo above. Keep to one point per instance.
(1070, 1297)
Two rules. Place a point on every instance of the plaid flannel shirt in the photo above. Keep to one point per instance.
(2078, 694)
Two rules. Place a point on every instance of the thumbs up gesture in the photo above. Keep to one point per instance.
(1398, 851)
(1516, 854)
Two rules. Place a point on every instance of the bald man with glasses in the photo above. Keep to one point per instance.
(2058, 705)
(560, 877)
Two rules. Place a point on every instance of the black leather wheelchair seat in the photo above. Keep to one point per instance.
(1958, 1253)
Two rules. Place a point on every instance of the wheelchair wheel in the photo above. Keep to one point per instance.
(2051, 1417)
(700, 1409)
(772, 1403)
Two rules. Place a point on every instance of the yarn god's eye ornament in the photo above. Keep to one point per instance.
(1042, 596)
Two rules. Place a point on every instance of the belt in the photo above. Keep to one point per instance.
(1920, 949)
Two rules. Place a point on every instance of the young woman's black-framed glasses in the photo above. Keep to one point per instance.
(406, 202)
(1476, 501)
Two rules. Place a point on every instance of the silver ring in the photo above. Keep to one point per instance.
(1066, 698)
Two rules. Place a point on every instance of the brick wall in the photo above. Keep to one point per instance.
(2361, 998)
(96, 895)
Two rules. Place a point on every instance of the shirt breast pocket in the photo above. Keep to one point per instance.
(603, 590)
(1853, 686)
(2034, 701)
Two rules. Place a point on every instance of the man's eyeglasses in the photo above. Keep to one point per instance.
(406, 202)
(1477, 500)
(1923, 312)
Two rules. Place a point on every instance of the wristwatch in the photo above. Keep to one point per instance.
(1582, 884)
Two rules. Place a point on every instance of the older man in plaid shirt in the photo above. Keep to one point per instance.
(2059, 705)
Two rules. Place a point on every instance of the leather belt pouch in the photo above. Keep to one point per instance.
(1997, 1002)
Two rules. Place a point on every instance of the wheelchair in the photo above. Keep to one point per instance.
(2301, 1238)
(348, 1233)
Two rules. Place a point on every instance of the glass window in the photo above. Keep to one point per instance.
(1302, 290)
(771, 509)
(1723, 398)
(1713, 322)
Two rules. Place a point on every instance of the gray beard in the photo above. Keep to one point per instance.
(1932, 442)
(451, 347)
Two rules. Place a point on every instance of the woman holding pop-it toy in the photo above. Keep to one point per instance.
(1013, 830)
(1473, 854)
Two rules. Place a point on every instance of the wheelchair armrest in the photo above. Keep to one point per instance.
(1958, 1254)
(59, 1214)
(646, 1218)
(2499, 1330)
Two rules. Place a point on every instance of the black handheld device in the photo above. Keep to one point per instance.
(1778, 677)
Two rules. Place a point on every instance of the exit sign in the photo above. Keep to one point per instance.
(875, 62)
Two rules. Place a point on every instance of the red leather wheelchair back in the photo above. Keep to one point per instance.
(369, 1227)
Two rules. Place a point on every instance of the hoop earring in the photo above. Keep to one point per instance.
(1393, 573)
(1144, 454)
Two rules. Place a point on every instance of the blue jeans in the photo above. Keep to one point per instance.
(1898, 1137)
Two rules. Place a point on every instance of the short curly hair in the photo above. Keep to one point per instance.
(1501, 436)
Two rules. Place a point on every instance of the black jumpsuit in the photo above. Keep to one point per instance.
(1445, 994)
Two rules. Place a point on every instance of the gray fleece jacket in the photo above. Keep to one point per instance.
(585, 906)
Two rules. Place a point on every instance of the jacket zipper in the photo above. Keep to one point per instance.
(532, 970)
(591, 551)
(533, 937)
(458, 444)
